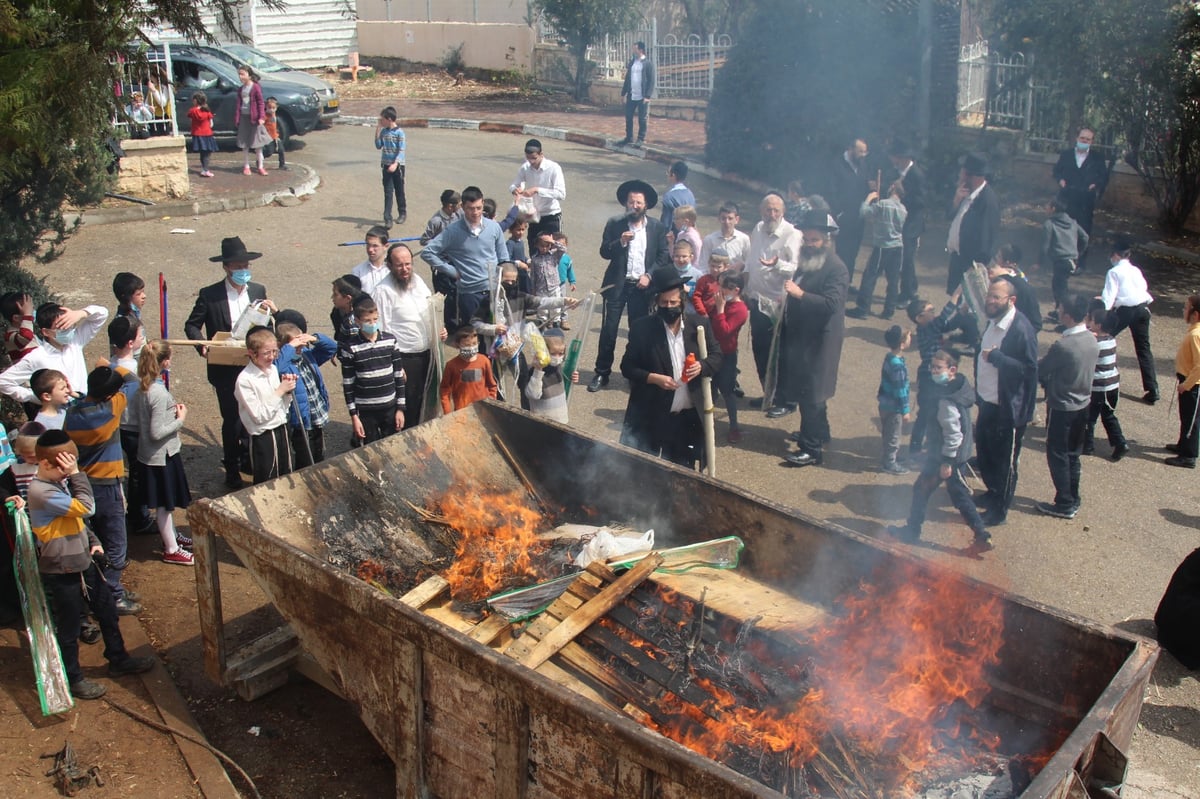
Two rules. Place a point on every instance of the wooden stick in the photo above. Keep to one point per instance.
(233, 343)
(426, 592)
(489, 629)
(516, 467)
(590, 611)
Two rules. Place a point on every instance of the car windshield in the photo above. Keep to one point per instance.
(257, 59)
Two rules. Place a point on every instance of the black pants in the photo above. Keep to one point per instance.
(681, 441)
(306, 455)
(135, 497)
(1189, 424)
(762, 329)
(378, 422)
(460, 308)
(640, 108)
(1060, 273)
(67, 601)
(998, 446)
(724, 381)
(1065, 432)
(1104, 408)
(959, 264)
(416, 372)
(393, 184)
(551, 223)
(223, 380)
(908, 267)
(888, 261)
(270, 454)
(814, 423)
(625, 298)
(960, 495)
(848, 243)
(926, 410)
(1137, 319)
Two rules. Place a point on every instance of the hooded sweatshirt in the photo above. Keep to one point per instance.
(951, 440)
(1063, 238)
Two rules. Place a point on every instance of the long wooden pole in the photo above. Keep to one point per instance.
(706, 413)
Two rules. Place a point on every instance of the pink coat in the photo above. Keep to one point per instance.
(258, 107)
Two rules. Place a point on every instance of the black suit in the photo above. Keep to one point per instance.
(1081, 200)
(210, 316)
(649, 424)
(916, 187)
(846, 191)
(621, 293)
(978, 236)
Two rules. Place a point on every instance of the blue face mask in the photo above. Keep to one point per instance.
(65, 337)
(240, 277)
(941, 378)
(1082, 146)
(369, 328)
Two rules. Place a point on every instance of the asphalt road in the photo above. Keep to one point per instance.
(1110, 564)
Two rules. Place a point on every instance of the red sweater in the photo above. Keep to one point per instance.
(726, 325)
(201, 121)
(705, 295)
(464, 382)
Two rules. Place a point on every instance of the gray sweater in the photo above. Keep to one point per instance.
(1062, 238)
(1067, 369)
(158, 426)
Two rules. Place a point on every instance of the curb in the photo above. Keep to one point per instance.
(305, 182)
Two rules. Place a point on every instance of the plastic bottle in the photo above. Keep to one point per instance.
(691, 359)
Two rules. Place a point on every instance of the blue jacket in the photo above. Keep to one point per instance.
(317, 354)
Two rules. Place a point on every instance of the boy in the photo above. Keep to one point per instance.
(373, 271)
(546, 390)
(893, 397)
(25, 448)
(372, 377)
(389, 140)
(60, 498)
(678, 196)
(468, 377)
(130, 291)
(93, 424)
(950, 446)
(1106, 388)
(1127, 298)
(272, 126)
(887, 240)
(685, 230)
(930, 328)
(302, 354)
(708, 286)
(682, 256)
(1062, 242)
(729, 315)
(63, 335)
(346, 289)
(543, 267)
(451, 210)
(1008, 266)
(54, 393)
(516, 252)
(19, 336)
(566, 271)
(262, 397)
(126, 336)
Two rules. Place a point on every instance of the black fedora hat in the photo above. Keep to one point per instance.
(817, 219)
(900, 149)
(975, 164)
(232, 249)
(666, 278)
(641, 186)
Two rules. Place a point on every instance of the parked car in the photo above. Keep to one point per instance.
(268, 65)
(214, 72)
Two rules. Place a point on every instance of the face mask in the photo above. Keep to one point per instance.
(467, 353)
(510, 291)
(941, 378)
(556, 360)
(1082, 146)
(670, 315)
(369, 328)
(65, 337)
(240, 277)
(728, 297)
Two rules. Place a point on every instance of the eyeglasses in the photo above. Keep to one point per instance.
(270, 353)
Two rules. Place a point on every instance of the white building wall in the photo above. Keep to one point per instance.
(308, 33)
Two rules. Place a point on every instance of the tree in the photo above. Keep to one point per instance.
(582, 23)
(706, 17)
(57, 69)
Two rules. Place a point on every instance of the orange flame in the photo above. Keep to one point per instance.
(497, 542)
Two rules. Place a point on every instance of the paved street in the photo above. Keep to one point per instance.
(1110, 564)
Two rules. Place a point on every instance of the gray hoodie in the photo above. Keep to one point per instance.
(1062, 238)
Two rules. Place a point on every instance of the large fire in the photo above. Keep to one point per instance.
(497, 545)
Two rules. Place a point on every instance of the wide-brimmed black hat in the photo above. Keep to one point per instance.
(900, 149)
(232, 249)
(104, 382)
(641, 186)
(817, 220)
(1122, 243)
(666, 278)
(975, 164)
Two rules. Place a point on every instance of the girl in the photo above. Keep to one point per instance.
(203, 141)
(159, 419)
(250, 118)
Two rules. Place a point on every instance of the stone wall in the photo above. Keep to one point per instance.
(155, 168)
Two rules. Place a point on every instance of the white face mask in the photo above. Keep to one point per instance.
(556, 360)
(467, 353)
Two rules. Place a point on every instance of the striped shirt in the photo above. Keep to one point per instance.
(56, 514)
(390, 144)
(95, 429)
(372, 377)
(1107, 377)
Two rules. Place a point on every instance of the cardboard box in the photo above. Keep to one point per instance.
(226, 351)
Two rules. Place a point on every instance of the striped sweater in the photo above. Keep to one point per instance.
(95, 427)
(1106, 377)
(372, 377)
(56, 514)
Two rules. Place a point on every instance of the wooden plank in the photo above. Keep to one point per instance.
(736, 594)
(426, 592)
(408, 685)
(282, 640)
(208, 601)
(583, 618)
(489, 629)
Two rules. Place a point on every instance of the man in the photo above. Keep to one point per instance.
(1007, 265)
(1006, 379)
(1066, 373)
(679, 194)
(404, 311)
(1082, 176)
(1187, 371)
(634, 245)
(468, 252)
(541, 179)
(849, 185)
(374, 270)
(218, 308)
(1127, 296)
(638, 90)
(813, 330)
(976, 224)
(915, 184)
(728, 239)
(770, 262)
(664, 390)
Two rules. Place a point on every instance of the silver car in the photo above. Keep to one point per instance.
(265, 64)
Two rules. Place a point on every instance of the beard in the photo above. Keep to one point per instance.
(636, 215)
(769, 227)
(402, 283)
(811, 259)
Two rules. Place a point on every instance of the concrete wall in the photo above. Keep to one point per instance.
(496, 47)
(154, 168)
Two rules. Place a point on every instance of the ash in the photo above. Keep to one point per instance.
(974, 786)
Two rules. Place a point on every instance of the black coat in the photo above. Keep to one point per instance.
(648, 353)
(1016, 359)
(657, 252)
(916, 188)
(814, 328)
(1093, 172)
(845, 192)
(210, 315)
(979, 233)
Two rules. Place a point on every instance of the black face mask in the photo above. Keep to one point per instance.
(510, 291)
(670, 315)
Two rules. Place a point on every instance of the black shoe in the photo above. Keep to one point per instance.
(887, 314)
(623, 143)
(126, 607)
(779, 411)
(1058, 511)
(858, 313)
(1088, 451)
(1181, 462)
(234, 482)
(803, 458)
(737, 391)
(147, 526)
(1120, 452)
(756, 403)
(89, 632)
(640, 143)
(598, 382)
(131, 665)
(1172, 448)
(982, 543)
(401, 218)
(87, 689)
(994, 519)
(1150, 397)
(387, 224)
(903, 532)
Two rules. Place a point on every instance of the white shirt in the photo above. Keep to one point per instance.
(956, 226)
(1124, 286)
(736, 247)
(681, 399)
(550, 184)
(14, 381)
(1080, 157)
(988, 377)
(405, 313)
(371, 275)
(239, 302)
(259, 407)
(635, 260)
(766, 282)
(635, 79)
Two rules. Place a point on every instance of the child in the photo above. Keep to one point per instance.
(139, 116)
(60, 498)
(468, 377)
(543, 268)
(262, 396)
(1106, 388)
(17, 309)
(272, 127)
(302, 354)
(685, 230)
(893, 397)
(708, 286)
(887, 224)
(683, 254)
(950, 446)
(250, 118)
(203, 141)
(546, 389)
(93, 424)
(1063, 240)
(930, 328)
(10, 600)
(130, 291)
(25, 448)
(54, 393)
(126, 338)
(516, 252)
(389, 141)
(372, 377)
(450, 211)
(63, 333)
(346, 289)
(566, 271)
(729, 314)
(159, 420)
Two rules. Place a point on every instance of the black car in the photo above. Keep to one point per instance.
(198, 68)
(269, 65)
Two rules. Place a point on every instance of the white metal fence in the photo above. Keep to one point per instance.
(148, 75)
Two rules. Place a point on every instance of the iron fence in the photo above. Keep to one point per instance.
(146, 76)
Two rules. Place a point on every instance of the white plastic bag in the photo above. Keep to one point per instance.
(256, 314)
(604, 546)
(527, 208)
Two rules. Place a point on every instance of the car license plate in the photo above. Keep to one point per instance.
(332, 104)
